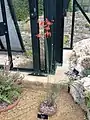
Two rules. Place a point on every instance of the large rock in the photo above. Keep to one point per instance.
(80, 56)
(82, 48)
(78, 89)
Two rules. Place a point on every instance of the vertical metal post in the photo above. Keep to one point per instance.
(73, 21)
(6, 32)
(59, 31)
(33, 7)
(15, 23)
(48, 13)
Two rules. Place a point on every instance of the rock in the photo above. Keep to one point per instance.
(72, 60)
(85, 62)
(76, 90)
(82, 47)
(80, 70)
(80, 57)
(86, 83)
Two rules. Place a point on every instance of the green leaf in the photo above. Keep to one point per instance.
(88, 104)
(5, 99)
(8, 88)
(13, 94)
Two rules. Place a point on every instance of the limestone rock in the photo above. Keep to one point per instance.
(86, 83)
(76, 90)
(80, 56)
(82, 48)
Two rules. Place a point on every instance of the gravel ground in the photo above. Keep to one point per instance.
(27, 108)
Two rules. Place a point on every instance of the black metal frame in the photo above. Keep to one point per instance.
(49, 13)
(6, 33)
(33, 5)
(73, 21)
(59, 32)
(2, 28)
(75, 3)
(16, 24)
(55, 43)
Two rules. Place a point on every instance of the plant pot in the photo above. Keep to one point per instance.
(48, 110)
(9, 107)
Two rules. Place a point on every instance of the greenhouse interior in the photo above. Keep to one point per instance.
(44, 60)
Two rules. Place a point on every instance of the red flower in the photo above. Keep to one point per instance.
(38, 35)
(41, 23)
(46, 25)
(47, 34)
(47, 28)
(48, 22)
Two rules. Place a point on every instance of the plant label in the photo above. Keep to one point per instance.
(42, 116)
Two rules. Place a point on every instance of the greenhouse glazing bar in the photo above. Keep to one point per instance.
(5, 28)
(33, 8)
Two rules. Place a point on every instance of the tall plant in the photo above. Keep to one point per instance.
(46, 25)
(48, 106)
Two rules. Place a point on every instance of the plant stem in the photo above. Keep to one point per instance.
(47, 63)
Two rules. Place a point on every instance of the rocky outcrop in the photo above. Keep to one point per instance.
(79, 62)
(80, 57)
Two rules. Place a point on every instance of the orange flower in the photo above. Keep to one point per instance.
(47, 34)
(38, 35)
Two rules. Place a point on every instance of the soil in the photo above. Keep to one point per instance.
(27, 108)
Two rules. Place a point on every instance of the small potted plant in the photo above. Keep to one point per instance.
(49, 106)
(10, 89)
